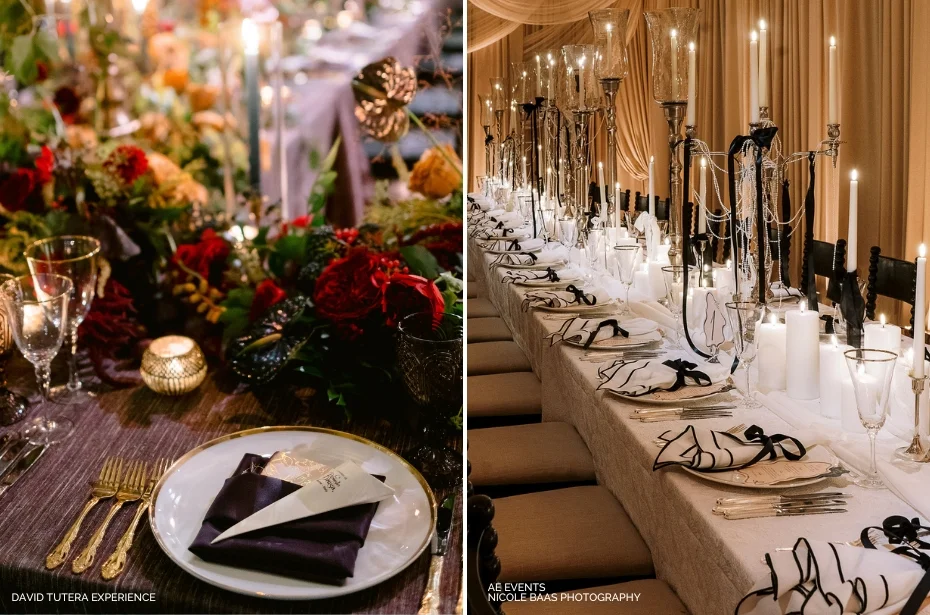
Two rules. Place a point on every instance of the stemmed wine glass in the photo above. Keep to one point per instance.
(568, 232)
(594, 248)
(75, 257)
(37, 306)
(744, 316)
(12, 405)
(625, 260)
(871, 372)
(674, 277)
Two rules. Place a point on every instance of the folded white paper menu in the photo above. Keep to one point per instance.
(346, 485)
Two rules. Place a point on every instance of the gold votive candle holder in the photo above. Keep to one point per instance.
(173, 365)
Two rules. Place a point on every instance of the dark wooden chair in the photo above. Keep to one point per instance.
(625, 200)
(829, 262)
(662, 206)
(482, 563)
(890, 277)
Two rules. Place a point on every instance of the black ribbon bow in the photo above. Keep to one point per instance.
(770, 443)
(488, 140)
(762, 137)
(686, 369)
(580, 296)
(905, 532)
(618, 330)
(514, 245)
(551, 275)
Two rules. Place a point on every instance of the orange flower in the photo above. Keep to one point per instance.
(177, 79)
(433, 176)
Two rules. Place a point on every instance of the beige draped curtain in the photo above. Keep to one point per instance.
(485, 28)
(541, 12)
(884, 101)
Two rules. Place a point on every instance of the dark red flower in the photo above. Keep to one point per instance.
(346, 289)
(68, 103)
(128, 162)
(45, 164)
(406, 294)
(17, 188)
(41, 71)
(298, 222)
(204, 255)
(266, 295)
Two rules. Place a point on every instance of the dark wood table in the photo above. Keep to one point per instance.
(137, 423)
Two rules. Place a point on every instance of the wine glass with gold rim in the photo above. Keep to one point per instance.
(75, 257)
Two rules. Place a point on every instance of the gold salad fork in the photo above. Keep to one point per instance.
(130, 490)
(104, 487)
(117, 560)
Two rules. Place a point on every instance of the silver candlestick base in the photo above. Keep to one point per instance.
(764, 114)
(915, 452)
(832, 142)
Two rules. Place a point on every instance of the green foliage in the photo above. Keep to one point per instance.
(20, 229)
(325, 183)
(235, 318)
(25, 51)
(421, 261)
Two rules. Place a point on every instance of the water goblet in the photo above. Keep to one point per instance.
(37, 306)
(744, 317)
(568, 232)
(594, 250)
(74, 257)
(674, 277)
(625, 260)
(871, 371)
(12, 405)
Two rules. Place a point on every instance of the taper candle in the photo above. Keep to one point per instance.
(852, 239)
(603, 185)
(753, 77)
(692, 85)
(833, 115)
(674, 49)
(280, 116)
(763, 64)
(919, 300)
(702, 215)
(652, 171)
(250, 49)
(618, 215)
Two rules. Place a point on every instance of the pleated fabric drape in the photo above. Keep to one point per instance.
(485, 28)
(884, 101)
(541, 12)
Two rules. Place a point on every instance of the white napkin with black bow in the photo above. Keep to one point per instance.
(817, 577)
(549, 274)
(667, 373)
(705, 450)
(478, 201)
(502, 230)
(571, 296)
(591, 330)
(514, 245)
(552, 254)
(498, 218)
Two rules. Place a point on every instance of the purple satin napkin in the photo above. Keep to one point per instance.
(320, 548)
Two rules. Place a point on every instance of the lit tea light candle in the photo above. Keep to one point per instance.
(173, 365)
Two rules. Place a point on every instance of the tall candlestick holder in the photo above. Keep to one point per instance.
(488, 150)
(915, 451)
(832, 142)
(611, 87)
(674, 116)
(582, 124)
(499, 125)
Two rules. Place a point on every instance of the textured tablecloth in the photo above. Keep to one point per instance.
(709, 561)
(136, 423)
(323, 109)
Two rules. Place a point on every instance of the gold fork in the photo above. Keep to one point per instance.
(117, 560)
(735, 430)
(130, 490)
(104, 487)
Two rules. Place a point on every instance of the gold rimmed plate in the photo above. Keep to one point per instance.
(399, 533)
(764, 475)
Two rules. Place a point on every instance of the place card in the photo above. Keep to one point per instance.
(346, 485)
(782, 471)
(294, 469)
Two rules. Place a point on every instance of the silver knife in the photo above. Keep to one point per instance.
(11, 452)
(782, 513)
(22, 466)
(429, 605)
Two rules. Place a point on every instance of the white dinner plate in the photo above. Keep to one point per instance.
(732, 478)
(684, 394)
(400, 531)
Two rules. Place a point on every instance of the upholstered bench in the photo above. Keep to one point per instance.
(496, 358)
(498, 395)
(480, 308)
(488, 330)
(654, 598)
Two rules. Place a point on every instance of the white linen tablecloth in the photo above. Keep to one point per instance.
(709, 561)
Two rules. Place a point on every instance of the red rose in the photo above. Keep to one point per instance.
(17, 188)
(266, 295)
(128, 162)
(298, 222)
(346, 289)
(45, 164)
(202, 256)
(406, 294)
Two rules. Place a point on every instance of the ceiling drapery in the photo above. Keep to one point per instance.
(485, 28)
(539, 12)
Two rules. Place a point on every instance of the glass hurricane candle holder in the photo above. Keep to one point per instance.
(579, 85)
(173, 365)
(484, 103)
(610, 38)
(499, 98)
(521, 82)
(670, 31)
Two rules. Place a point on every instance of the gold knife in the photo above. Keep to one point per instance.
(429, 605)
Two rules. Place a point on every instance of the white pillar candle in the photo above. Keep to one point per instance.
(662, 252)
(919, 300)
(883, 336)
(833, 115)
(763, 64)
(652, 170)
(674, 50)
(833, 372)
(618, 214)
(641, 281)
(772, 347)
(803, 353)
(753, 77)
(657, 280)
(603, 185)
(692, 85)
(852, 239)
(561, 176)
(702, 215)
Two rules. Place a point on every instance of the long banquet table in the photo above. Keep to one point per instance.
(709, 561)
(138, 424)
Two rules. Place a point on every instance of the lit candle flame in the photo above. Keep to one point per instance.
(249, 37)
(762, 24)
(881, 318)
(803, 305)
(922, 251)
(854, 175)
(833, 41)
(691, 46)
(753, 36)
(773, 319)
